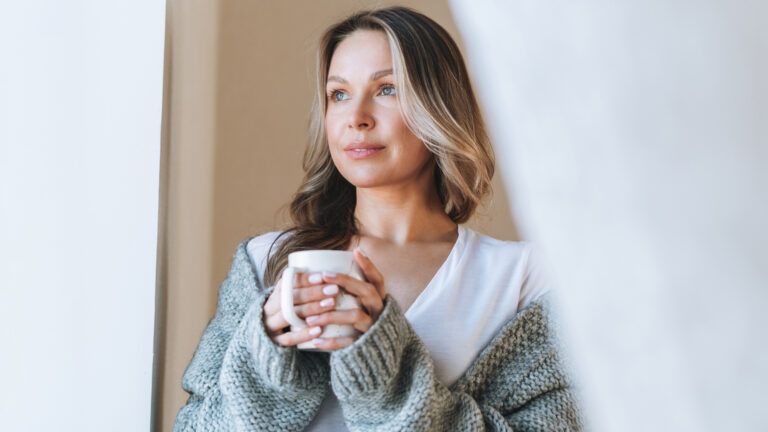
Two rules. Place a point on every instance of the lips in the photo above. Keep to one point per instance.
(362, 146)
(363, 150)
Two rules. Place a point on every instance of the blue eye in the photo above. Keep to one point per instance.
(390, 93)
(334, 95)
(340, 96)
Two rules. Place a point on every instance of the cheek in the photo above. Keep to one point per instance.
(410, 144)
(334, 133)
(331, 128)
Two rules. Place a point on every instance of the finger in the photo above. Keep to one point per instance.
(315, 308)
(305, 279)
(315, 293)
(332, 344)
(357, 317)
(275, 323)
(297, 336)
(369, 296)
(372, 274)
(300, 295)
(352, 284)
(272, 305)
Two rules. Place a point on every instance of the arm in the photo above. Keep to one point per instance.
(386, 381)
(238, 378)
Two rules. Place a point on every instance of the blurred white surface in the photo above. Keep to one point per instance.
(633, 138)
(80, 114)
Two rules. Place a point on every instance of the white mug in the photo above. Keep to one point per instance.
(311, 261)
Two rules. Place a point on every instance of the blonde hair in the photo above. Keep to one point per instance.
(439, 107)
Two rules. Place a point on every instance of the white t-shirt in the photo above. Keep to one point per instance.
(480, 287)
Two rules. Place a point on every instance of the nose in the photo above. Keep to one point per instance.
(360, 118)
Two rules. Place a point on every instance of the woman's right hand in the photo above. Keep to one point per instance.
(311, 296)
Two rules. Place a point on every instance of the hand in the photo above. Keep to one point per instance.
(370, 293)
(310, 297)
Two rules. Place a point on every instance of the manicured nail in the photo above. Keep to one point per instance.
(312, 319)
(329, 274)
(315, 278)
(317, 341)
(314, 331)
(330, 289)
(326, 302)
(362, 252)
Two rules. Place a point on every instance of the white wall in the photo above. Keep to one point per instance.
(635, 136)
(80, 117)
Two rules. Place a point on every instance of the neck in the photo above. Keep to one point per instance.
(403, 213)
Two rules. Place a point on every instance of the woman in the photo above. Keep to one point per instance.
(398, 161)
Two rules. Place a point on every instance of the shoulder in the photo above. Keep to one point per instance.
(260, 247)
(493, 256)
(508, 263)
(259, 244)
(498, 248)
(537, 281)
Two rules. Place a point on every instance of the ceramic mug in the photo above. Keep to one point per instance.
(312, 261)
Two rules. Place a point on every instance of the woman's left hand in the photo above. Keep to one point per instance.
(370, 293)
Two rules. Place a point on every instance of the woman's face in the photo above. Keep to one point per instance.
(369, 142)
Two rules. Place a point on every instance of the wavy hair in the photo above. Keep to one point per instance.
(438, 105)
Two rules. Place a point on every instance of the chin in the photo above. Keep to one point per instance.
(365, 180)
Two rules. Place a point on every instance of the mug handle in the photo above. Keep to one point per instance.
(286, 298)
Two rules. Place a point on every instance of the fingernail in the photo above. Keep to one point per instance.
(330, 289)
(312, 319)
(317, 341)
(315, 278)
(362, 252)
(314, 331)
(329, 274)
(326, 302)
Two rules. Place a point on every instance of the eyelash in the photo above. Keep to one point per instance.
(330, 95)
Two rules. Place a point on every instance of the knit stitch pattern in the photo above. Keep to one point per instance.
(240, 380)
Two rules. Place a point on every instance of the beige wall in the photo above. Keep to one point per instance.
(238, 98)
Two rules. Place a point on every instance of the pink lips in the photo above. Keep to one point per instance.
(362, 150)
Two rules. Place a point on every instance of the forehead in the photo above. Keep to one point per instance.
(360, 54)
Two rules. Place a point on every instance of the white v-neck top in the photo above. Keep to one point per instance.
(480, 286)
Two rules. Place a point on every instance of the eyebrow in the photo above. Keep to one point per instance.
(374, 76)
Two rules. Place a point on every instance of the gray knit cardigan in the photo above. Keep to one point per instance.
(239, 380)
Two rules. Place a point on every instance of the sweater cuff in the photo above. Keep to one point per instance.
(283, 368)
(373, 360)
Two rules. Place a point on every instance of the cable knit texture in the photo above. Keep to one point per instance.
(239, 380)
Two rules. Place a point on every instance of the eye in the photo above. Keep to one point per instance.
(388, 90)
(334, 95)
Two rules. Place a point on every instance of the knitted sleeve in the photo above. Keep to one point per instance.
(385, 381)
(238, 378)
